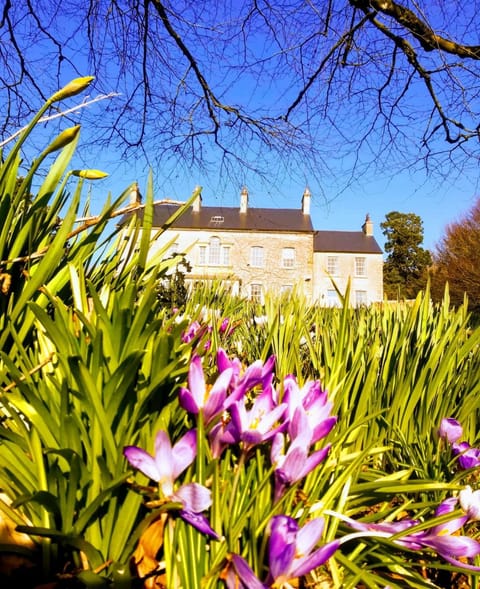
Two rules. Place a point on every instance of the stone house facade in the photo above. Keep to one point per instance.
(255, 250)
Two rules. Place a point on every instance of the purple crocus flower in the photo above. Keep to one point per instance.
(294, 464)
(189, 334)
(257, 374)
(226, 327)
(291, 554)
(469, 502)
(468, 457)
(450, 430)
(165, 466)
(313, 401)
(257, 424)
(442, 538)
(199, 396)
(168, 462)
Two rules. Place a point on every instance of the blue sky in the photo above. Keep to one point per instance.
(340, 200)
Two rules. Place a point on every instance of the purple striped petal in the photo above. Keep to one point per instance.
(217, 395)
(457, 546)
(142, 460)
(199, 522)
(184, 452)
(194, 497)
(244, 574)
(308, 563)
(309, 535)
(187, 401)
(282, 545)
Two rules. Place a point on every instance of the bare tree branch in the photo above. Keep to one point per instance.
(62, 113)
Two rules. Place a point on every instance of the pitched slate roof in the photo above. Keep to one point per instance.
(230, 219)
(345, 242)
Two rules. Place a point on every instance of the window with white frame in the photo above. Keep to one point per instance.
(288, 257)
(202, 255)
(286, 288)
(256, 292)
(360, 266)
(332, 298)
(225, 255)
(332, 265)
(214, 254)
(214, 251)
(361, 298)
(257, 256)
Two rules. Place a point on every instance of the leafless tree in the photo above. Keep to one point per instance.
(314, 87)
(457, 259)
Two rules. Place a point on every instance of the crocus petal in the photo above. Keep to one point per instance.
(277, 450)
(469, 459)
(252, 437)
(311, 393)
(293, 465)
(449, 527)
(282, 545)
(323, 428)
(470, 502)
(291, 393)
(251, 378)
(221, 436)
(245, 574)
(459, 546)
(199, 522)
(184, 452)
(217, 395)
(261, 406)
(165, 462)
(308, 563)
(299, 428)
(461, 564)
(268, 421)
(224, 362)
(446, 506)
(142, 460)
(187, 401)
(450, 430)
(196, 380)
(194, 497)
(238, 423)
(309, 535)
(314, 460)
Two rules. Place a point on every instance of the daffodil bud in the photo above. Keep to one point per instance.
(72, 88)
(63, 139)
(90, 174)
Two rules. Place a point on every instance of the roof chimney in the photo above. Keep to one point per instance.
(367, 227)
(306, 200)
(244, 200)
(197, 203)
(135, 198)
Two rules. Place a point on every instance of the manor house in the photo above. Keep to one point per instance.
(258, 249)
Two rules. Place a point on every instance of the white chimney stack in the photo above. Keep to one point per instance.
(367, 227)
(135, 198)
(244, 200)
(197, 203)
(306, 201)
